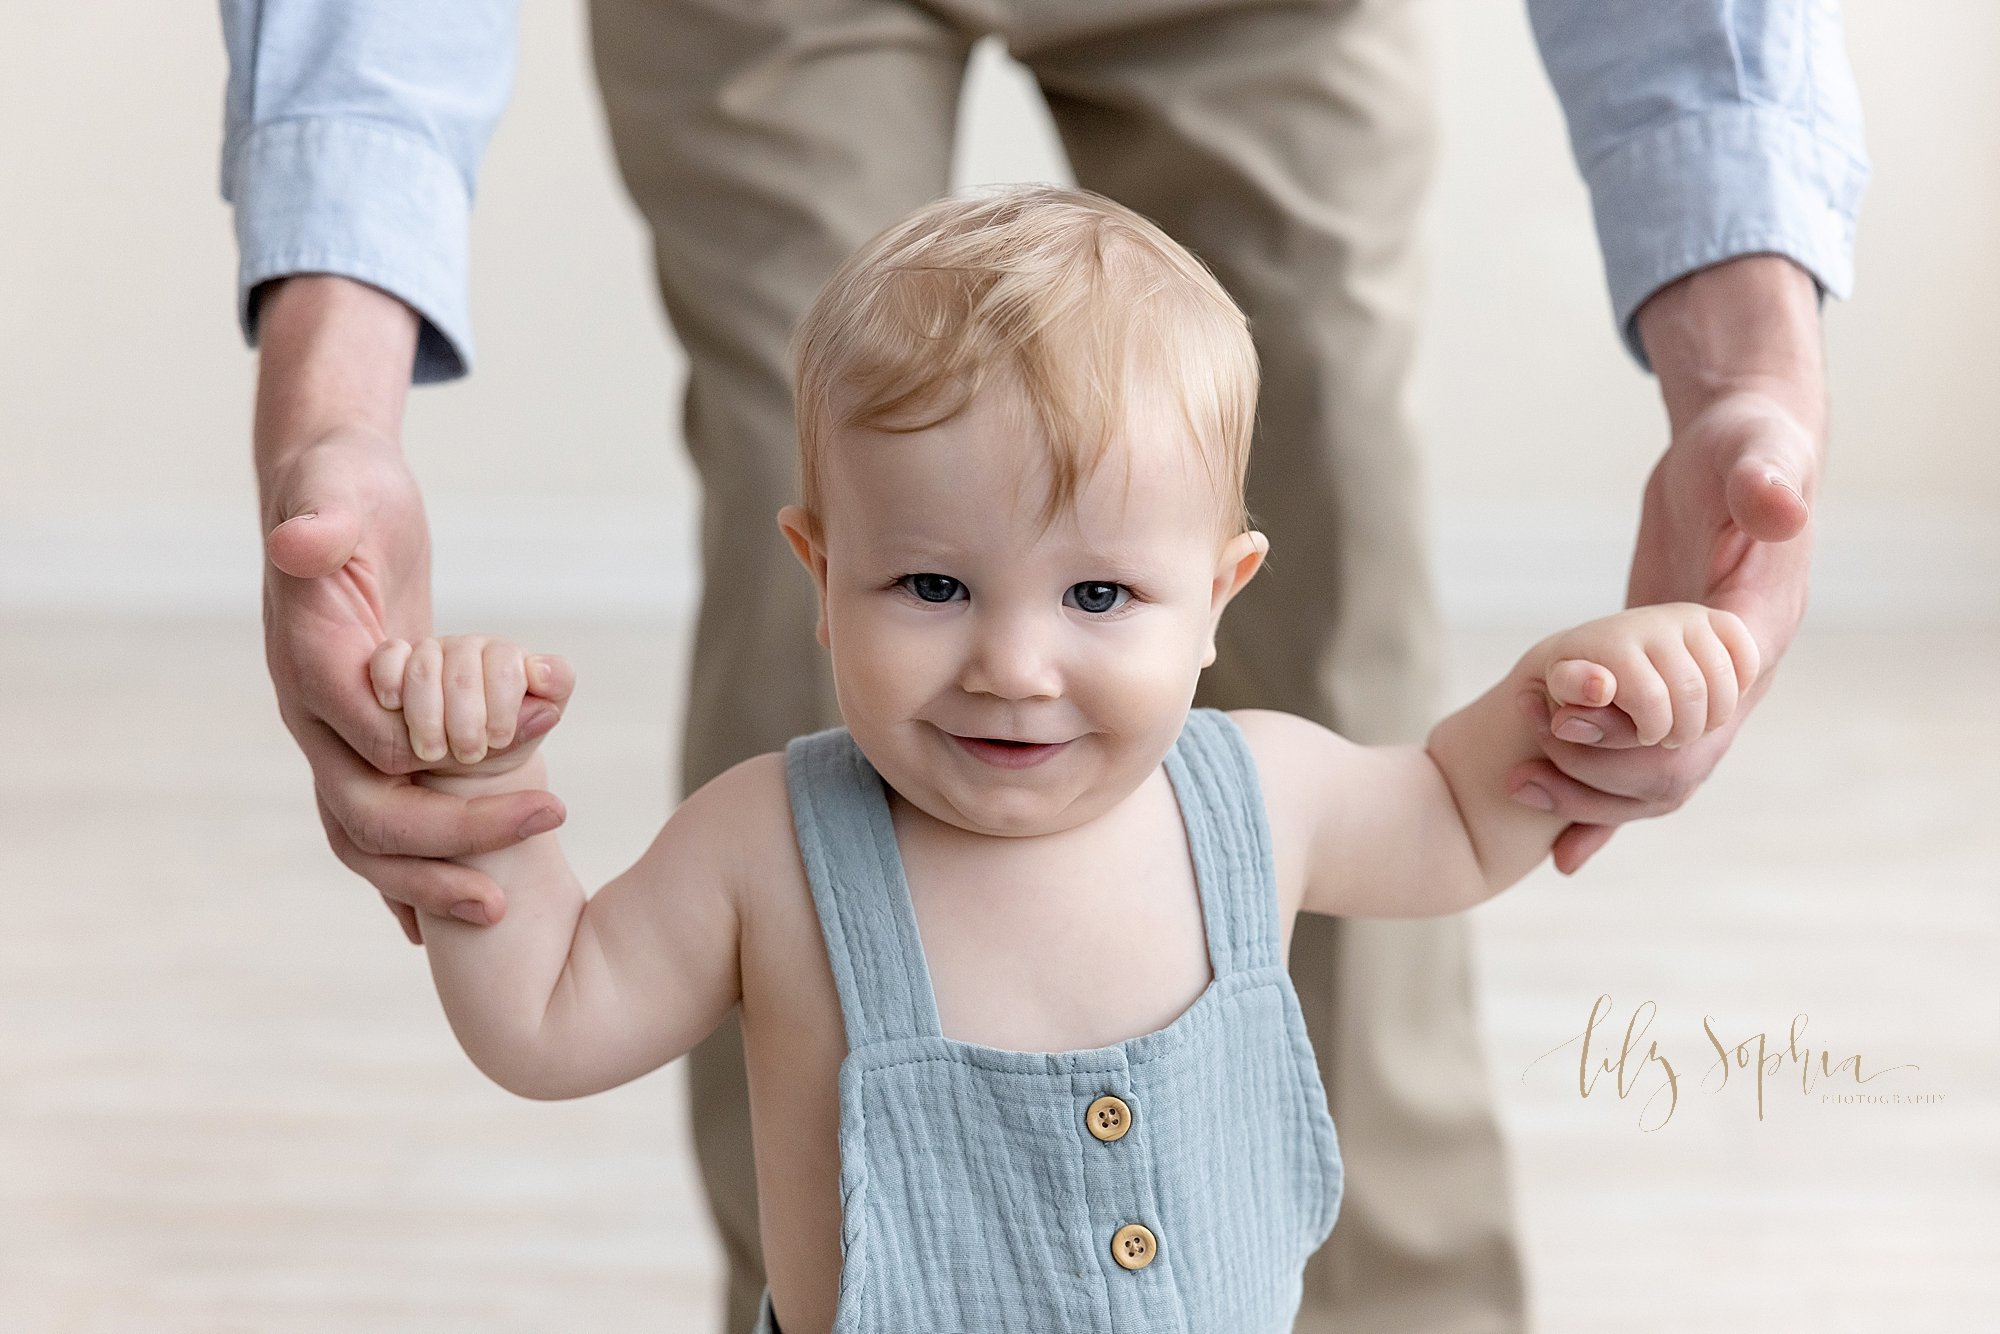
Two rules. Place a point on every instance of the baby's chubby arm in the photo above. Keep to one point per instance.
(566, 995)
(1403, 831)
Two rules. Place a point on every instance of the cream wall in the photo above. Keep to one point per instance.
(554, 478)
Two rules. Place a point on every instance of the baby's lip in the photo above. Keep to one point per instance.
(1016, 740)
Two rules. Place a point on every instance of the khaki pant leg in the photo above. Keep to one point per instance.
(1290, 146)
(763, 143)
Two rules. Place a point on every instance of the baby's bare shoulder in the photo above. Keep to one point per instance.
(741, 808)
(1290, 751)
(743, 816)
(1296, 762)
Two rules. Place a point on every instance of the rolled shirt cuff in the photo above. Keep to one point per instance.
(1713, 185)
(362, 201)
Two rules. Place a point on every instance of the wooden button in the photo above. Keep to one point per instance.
(1108, 1118)
(1133, 1247)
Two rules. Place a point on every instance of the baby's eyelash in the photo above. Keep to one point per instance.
(902, 583)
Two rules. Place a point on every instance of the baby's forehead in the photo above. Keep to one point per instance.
(1124, 516)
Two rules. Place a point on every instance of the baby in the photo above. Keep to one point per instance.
(1010, 945)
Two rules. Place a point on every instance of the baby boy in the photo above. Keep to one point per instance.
(1010, 944)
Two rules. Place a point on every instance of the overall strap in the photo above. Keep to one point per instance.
(841, 815)
(1215, 777)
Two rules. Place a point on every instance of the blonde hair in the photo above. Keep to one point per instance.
(1074, 295)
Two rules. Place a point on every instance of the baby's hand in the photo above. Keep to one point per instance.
(462, 695)
(1676, 670)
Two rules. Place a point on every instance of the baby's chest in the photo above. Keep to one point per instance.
(1060, 953)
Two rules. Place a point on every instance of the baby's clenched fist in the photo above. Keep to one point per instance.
(460, 697)
(1677, 670)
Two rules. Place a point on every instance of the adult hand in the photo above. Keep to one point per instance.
(349, 566)
(1726, 521)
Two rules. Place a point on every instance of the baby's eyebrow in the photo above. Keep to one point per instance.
(906, 551)
(916, 553)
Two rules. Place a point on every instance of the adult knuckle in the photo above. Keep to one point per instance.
(1668, 789)
(385, 753)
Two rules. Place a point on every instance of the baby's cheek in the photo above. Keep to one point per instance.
(878, 660)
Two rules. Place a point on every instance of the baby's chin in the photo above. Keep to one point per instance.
(1001, 819)
(997, 808)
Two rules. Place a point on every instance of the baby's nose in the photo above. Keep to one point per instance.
(1013, 657)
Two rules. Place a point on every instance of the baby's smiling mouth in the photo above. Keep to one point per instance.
(1009, 752)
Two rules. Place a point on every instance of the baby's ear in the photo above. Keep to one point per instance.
(1242, 556)
(801, 529)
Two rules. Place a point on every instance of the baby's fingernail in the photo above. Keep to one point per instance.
(470, 910)
(1670, 745)
(538, 673)
(1582, 732)
(1533, 794)
(539, 823)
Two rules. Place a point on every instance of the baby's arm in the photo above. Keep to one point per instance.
(1402, 831)
(566, 995)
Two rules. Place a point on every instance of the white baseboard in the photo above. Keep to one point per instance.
(1876, 564)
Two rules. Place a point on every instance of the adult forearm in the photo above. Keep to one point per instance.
(1749, 324)
(335, 356)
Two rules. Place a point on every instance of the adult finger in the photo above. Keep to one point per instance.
(314, 536)
(406, 917)
(1578, 844)
(1603, 728)
(1765, 487)
(391, 816)
(419, 884)
(1538, 783)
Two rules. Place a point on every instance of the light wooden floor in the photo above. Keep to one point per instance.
(229, 1102)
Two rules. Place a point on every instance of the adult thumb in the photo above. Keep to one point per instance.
(319, 529)
(1766, 487)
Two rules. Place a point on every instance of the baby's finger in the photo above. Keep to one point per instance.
(385, 671)
(1581, 682)
(1719, 668)
(1644, 698)
(506, 682)
(423, 699)
(1687, 688)
(465, 698)
(551, 677)
(1742, 645)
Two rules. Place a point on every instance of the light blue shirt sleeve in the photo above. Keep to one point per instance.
(352, 133)
(1707, 129)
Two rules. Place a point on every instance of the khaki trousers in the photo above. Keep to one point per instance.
(1287, 144)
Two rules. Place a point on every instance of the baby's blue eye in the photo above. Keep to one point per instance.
(1096, 597)
(932, 587)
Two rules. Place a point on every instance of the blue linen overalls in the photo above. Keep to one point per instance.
(1175, 1182)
